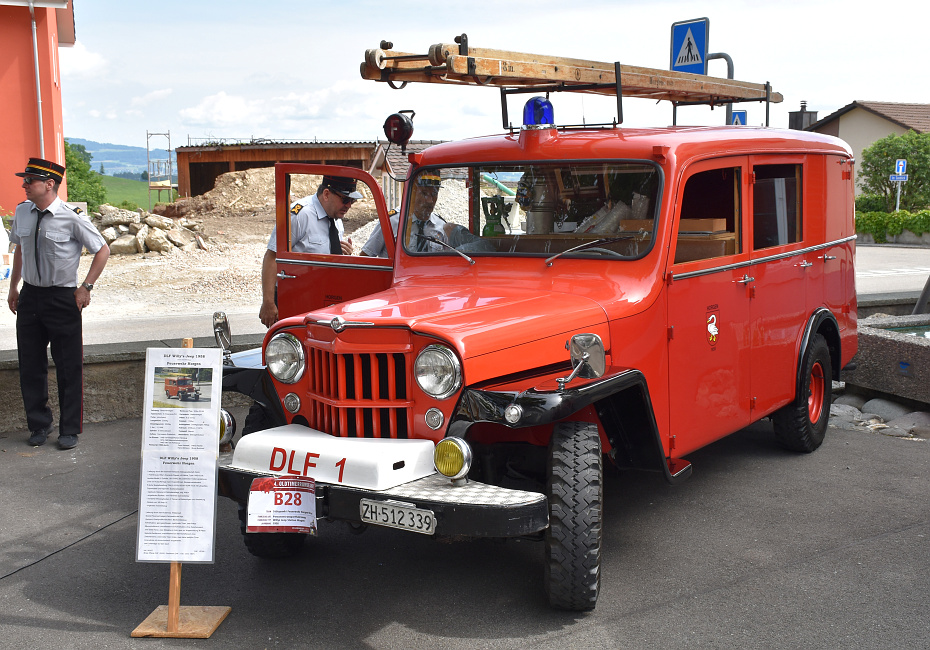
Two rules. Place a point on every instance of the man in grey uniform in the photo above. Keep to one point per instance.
(49, 238)
(316, 227)
(426, 224)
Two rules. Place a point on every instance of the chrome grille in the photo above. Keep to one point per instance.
(358, 395)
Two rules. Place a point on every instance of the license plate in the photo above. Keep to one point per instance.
(398, 515)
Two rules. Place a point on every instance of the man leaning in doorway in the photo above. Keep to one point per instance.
(316, 227)
(49, 238)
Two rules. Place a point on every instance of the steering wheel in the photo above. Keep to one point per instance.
(604, 251)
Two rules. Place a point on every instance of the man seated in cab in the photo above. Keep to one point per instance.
(427, 223)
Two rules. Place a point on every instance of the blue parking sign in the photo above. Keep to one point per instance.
(689, 46)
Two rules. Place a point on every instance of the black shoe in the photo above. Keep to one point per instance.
(67, 442)
(37, 439)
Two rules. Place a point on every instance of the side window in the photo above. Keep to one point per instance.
(776, 205)
(710, 216)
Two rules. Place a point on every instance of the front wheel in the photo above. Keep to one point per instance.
(802, 424)
(573, 539)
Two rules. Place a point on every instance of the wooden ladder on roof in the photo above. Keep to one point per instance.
(512, 72)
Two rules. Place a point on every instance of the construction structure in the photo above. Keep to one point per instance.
(199, 164)
(160, 170)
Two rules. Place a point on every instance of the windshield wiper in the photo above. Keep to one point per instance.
(581, 247)
(450, 247)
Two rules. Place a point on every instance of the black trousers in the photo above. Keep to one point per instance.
(49, 315)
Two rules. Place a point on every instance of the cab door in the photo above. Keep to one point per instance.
(784, 273)
(309, 281)
(708, 306)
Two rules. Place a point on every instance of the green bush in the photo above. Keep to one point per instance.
(871, 203)
(882, 225)
(128, 205)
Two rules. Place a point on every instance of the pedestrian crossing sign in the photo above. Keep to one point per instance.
(738, 119)
(689, 46)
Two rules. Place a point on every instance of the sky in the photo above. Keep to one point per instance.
(289, 69)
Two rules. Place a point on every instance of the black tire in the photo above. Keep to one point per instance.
(573, 540)
(802, 424)
(258, 419)
(182, 397)
(270, 545)
(196, 397)
(167, 395)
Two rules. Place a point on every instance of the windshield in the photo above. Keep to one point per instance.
(534, 209)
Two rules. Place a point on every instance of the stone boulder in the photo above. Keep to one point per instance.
(181, 237)
(124, 245)
(110, 234)
(110, 216)
(140, 238)
(157, 240)
(157, 221)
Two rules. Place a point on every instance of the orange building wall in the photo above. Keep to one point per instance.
(19, 116)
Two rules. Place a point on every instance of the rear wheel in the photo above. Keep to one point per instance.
(270, 545)
(167, 395)
(573, 539)
(802, 424)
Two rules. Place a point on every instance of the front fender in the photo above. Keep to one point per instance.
(257, 384)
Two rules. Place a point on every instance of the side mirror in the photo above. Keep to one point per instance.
(589, 360)
(587, 350)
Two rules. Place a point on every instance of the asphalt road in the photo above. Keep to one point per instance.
(759, 549)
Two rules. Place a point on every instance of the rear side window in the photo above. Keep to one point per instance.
(776, 205)
(710, 216)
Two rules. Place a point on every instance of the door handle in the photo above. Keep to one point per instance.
(805, 264)
(746, 279)
(827, 257)
(284, 276)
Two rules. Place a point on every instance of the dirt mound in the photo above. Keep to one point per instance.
(241, 206)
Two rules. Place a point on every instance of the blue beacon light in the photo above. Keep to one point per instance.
(538, 112)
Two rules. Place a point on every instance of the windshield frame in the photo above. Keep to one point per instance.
(473, 168)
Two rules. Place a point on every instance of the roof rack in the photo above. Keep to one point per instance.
(517, 72)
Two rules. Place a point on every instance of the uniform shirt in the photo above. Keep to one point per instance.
(62, 234)
(309, 227)
(433, 227)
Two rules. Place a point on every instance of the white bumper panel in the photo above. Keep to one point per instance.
(374, 464)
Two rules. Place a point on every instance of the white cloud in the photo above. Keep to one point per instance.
(154, 96)
(79, 62)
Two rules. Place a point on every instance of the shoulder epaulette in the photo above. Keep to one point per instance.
(296, 208)
(391, 213)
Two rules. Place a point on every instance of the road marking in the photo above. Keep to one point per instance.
(878, 273)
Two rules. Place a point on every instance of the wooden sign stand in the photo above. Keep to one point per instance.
(176, 622)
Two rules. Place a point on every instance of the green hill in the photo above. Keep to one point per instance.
(137, 192)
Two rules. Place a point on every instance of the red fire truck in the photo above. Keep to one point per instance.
(571, 296)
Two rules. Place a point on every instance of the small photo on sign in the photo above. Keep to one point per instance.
(186, 388)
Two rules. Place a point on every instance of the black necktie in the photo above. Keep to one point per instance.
(42, 213)
(421, 238)
(334, 247)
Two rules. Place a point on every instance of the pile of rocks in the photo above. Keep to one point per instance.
(128, 232)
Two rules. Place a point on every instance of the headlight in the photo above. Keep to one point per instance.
(452, 458)
(438, 371)
(284, 357)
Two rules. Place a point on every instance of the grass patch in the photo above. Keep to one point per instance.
(137, 192)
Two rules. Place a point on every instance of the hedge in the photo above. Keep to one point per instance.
(883, 224)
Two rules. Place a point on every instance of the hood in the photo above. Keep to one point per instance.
(477, 320)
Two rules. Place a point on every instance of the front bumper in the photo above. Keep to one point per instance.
(472, 510)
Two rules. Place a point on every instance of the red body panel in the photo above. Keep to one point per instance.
(718, 339)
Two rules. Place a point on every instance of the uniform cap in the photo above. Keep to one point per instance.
(429, 180)
(43, 169)
(341, 186)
